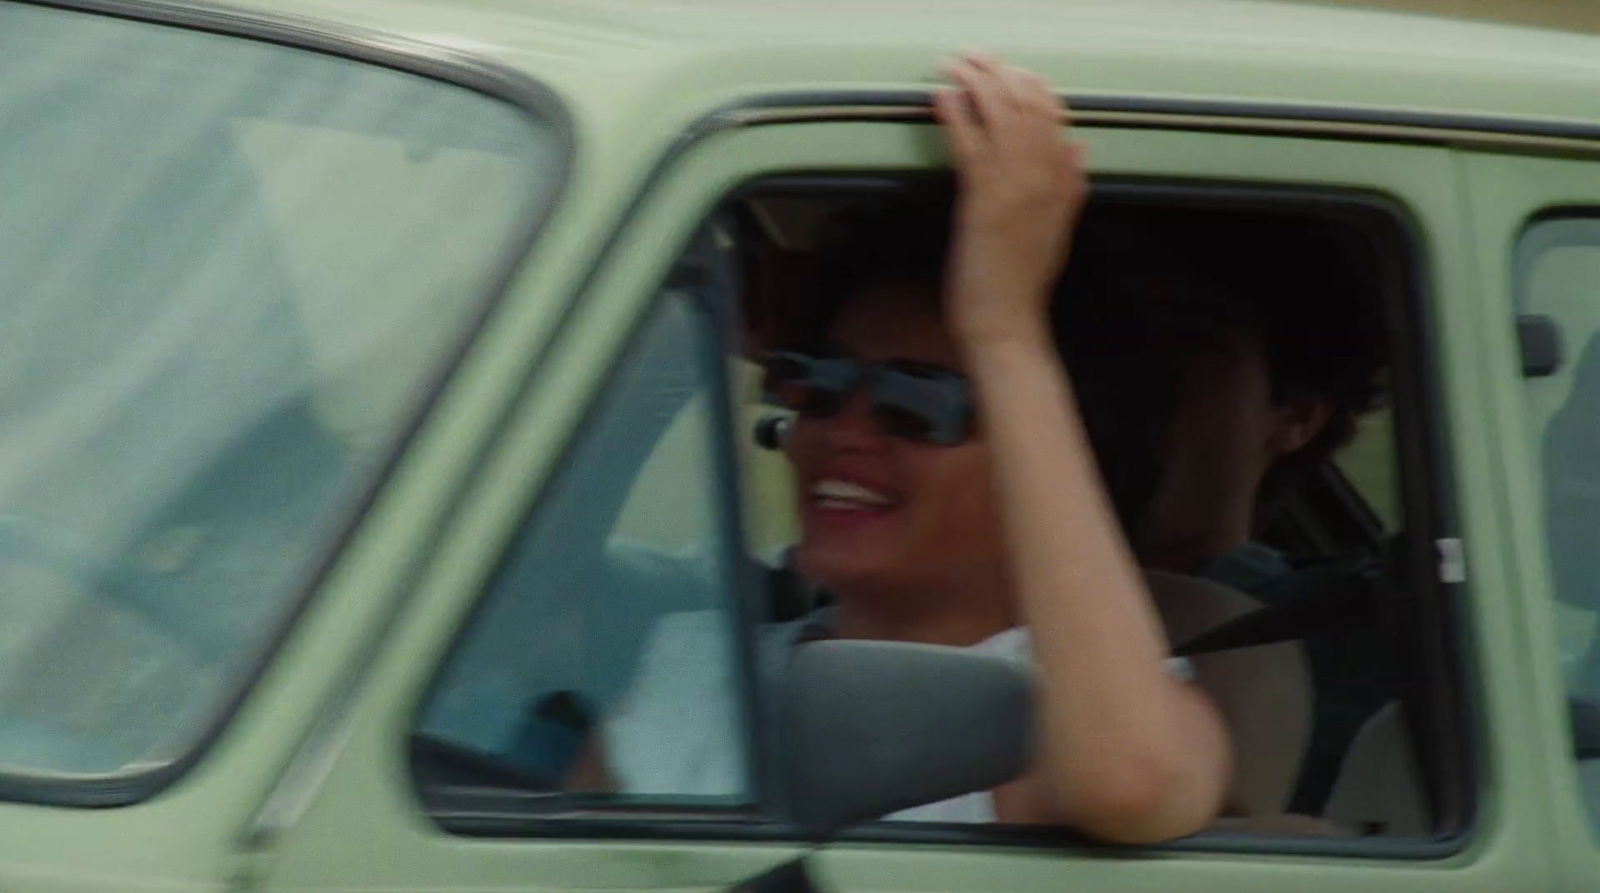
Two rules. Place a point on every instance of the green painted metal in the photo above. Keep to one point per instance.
(1506, 192)
(366, 797)
(656, 62)
(635, 75)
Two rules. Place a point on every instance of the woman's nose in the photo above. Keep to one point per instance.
(854, 425)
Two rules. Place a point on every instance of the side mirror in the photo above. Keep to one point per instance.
(866, 729)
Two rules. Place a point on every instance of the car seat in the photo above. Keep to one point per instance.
(1263, 692)
(1379, 789)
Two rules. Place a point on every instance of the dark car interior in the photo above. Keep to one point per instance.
(1363, 616)
(1346, 601)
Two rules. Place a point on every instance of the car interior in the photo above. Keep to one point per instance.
(1339, 522)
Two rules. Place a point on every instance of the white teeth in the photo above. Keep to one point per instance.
(843, 493)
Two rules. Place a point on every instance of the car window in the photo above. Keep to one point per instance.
(610, 632)
(1557, 265)
(1557, 269)
(606, 652)
(769, 517)
(228, 272)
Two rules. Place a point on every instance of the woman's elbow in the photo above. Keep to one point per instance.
(1160, 797)
(1151, 805)
(1148, 810)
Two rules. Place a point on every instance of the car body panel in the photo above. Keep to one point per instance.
(1508, 845)
(1507, 193)
(663, 61)
(315, 750)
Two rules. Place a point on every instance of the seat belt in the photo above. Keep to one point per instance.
(1337, 609)
(1332, 607)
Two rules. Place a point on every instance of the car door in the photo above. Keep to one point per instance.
(436, 774)
(1538, 251)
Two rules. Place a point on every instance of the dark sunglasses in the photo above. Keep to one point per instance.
(913, 401)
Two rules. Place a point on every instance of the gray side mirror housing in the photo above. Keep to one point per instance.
(867, 728)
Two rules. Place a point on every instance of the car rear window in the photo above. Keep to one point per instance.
(229, 272)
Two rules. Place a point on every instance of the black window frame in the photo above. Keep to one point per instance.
(540, 106)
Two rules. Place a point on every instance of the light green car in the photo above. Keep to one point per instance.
(349, 348)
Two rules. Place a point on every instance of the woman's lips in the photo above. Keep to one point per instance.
(821, 517)
(843, 491)
(840, 501)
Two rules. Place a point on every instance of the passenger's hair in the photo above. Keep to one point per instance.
(1304, 291)
(1145, 287)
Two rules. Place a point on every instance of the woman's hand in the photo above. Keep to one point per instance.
(1020, 188)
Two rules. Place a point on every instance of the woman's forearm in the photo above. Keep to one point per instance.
(1130, 753)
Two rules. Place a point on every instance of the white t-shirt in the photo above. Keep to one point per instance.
(679, 729)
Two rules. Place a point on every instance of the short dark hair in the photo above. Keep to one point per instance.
(1145, 287)
(1303, 290)
(904, 239)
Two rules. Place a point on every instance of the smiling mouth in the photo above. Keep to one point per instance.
(837, 495)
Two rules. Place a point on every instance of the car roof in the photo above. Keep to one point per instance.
(689, 55)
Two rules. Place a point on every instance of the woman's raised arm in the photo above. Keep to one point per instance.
(1128, 754)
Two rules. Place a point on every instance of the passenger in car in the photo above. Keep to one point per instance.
(1218, 361)
(949, 496)
(1257, 353)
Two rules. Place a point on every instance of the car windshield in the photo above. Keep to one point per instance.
(228, 272)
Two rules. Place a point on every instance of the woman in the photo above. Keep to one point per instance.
(991, 531)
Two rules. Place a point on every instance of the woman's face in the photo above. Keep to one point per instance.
(880, 512)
